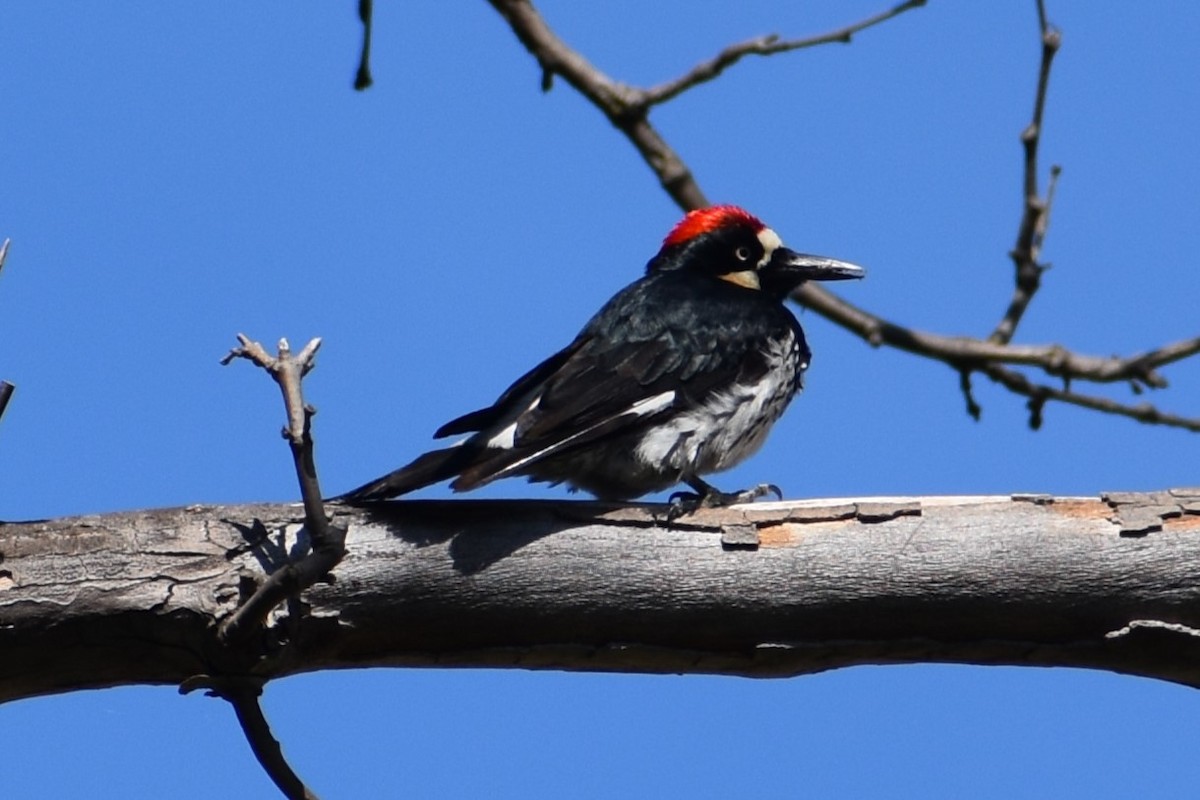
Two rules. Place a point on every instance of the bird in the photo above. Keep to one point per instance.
(681, 374)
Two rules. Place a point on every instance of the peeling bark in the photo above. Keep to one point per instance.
(772, 589)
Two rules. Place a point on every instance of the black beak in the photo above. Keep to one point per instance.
(787, 269)
(788, 264)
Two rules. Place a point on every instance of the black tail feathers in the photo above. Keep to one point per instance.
(430, 468)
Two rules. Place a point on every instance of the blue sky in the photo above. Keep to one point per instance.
(173, 174)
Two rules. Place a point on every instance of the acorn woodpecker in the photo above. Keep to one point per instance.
(681, 374)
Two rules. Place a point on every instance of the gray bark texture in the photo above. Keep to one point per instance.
(773, 589)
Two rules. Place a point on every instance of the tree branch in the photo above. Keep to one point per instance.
(966, 354)
(764, 46)
(956, 350)
(366, 15)
(623, 105)
(243, 694)
(1039, 394)
(770, 589)
(1035, 219)
(6, 392)
(327, 541)
(6, 388)
(328, 547)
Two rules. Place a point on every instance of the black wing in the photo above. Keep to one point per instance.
(659, 347)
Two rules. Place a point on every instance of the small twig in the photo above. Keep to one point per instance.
(1040, 394)
(328, 541)
(764, 46)
(1035, 217)
(6, 388)
(964, 385)
(243, 692)
(366, 13)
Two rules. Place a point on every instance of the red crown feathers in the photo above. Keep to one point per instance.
(703, 220)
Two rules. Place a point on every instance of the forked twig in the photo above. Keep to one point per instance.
(328, 541)
(328, 548)
(1035, 217)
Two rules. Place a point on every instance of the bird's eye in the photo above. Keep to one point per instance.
(743, 253)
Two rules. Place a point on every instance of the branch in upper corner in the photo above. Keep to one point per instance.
(1035, 217)
(764, 46)
(366, 13)
(243, 694)
(328, 541)
(627, 108)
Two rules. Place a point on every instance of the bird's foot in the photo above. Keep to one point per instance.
(707, 496)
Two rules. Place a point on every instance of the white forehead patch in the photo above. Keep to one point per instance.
(770, 242)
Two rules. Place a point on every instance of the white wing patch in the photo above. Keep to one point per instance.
(506, 437)
(641, 408)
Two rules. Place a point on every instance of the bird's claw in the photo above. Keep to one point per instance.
(684, 503)
(762, 490)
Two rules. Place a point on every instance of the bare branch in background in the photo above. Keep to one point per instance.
(1038, 395)
(964, 353)
(366, 13)
(765, 46)
(628, 107)
(1035, 218)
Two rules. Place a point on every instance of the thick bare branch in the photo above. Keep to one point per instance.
(772, 589)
